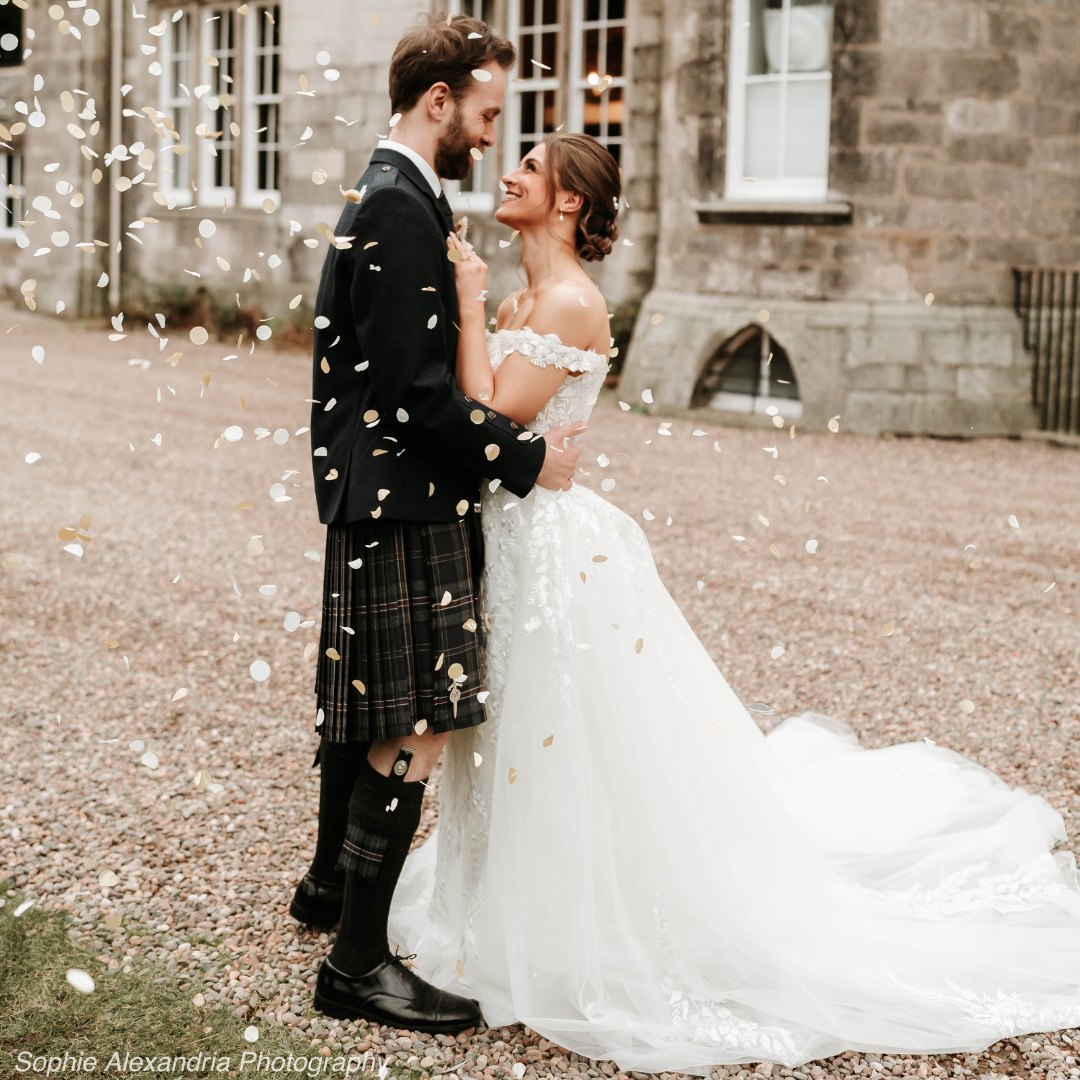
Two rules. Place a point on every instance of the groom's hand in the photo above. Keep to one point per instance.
(560, 461)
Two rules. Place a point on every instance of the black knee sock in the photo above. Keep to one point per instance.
(379, 840)
(339, 766)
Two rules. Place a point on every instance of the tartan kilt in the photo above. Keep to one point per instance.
(401, 626)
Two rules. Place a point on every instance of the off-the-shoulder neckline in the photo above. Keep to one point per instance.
(551, 339)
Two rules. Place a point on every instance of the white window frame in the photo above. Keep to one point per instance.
(737, 185)
(251, 194)
(211, 194)
(478, 194)
(12, 174)
(580, 86)
(178, 102)
(535, 80)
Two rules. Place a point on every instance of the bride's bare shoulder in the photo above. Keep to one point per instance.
(576, 312)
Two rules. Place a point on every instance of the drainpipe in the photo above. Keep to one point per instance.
(116, 75)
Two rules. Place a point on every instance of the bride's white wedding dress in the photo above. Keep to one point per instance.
(625, 863)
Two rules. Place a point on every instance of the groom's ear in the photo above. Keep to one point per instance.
(438, 100)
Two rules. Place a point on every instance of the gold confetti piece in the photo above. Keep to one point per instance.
(462, 507)
(180, 694)
(430, 489)
(455, 672)
(371, 416)
(967, 706)
(359, 686)
(477, 760)
(511, 775)
(324, 365)
(446, 598)
(310, 649)
(469, 625)
(581, 574)
(454, 256)
(928, 299)
(199, 335)
(113, 920)
(888, 629)
(599, 558)
(549, 740)
(834, 424)
(477, 416)
(420, 726)
(440, 661)
(67, 535)
(656, 320)
(247, 504)
(491, 451)
(459, 967)
(107, 879)
(332, 474)
(333, 654)
(639, 645)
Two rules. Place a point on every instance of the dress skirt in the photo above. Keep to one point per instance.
(401, 629)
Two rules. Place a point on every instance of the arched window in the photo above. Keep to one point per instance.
(749, 373)
(11, 36)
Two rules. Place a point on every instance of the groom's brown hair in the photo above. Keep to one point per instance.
(445, 49)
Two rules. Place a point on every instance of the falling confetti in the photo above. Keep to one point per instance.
(80, 980)
(259, 670)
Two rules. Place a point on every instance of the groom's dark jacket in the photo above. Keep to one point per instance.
(391, 434)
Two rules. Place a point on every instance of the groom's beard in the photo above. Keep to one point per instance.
(453, 160)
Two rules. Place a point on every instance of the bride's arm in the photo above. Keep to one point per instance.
(519, 389)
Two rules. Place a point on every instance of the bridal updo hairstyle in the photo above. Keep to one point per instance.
(578, 163)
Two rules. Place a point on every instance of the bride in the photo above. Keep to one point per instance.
(623, 861)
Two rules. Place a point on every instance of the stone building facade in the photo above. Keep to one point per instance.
(825, 201)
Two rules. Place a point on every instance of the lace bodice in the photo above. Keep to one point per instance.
(575, 398)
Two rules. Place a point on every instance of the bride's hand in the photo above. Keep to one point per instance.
(470, 271)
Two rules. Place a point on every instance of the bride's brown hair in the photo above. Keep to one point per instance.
(578, 163)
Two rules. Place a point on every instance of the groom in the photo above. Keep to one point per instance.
(398, 454)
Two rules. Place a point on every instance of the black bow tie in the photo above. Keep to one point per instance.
(447, 213)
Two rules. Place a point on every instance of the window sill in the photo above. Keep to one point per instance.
(831, 211)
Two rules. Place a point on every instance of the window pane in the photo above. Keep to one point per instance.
(590, 54)
(809, 37)
(762, 160)
(11, 33)
(616, 37)
(551, 11)
(592, 10)
(549, 44)
(616, 9)
(807, 128)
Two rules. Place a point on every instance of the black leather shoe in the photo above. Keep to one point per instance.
(394, 995)
(317, 903)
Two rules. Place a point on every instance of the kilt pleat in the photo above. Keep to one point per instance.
(400, 637)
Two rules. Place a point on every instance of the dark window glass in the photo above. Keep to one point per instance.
(11, 36)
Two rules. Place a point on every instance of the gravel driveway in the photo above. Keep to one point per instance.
(941, 601)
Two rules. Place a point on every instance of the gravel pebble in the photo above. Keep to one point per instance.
(919, 597)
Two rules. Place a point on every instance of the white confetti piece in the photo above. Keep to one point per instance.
(1014, 521)
(234, 433)
(251, 1033)
(263, 333)
(777, 651)
(432, 322)
(259, 670)
(23, 908)
(32, 458)
(207, 228)
(292, 621)
(199, 335)
(811, 547)
(80, 980)
(149, 759)
(481, 75)
(646, 396)
(38, 353)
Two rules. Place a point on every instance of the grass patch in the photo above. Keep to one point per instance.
(143, 1014)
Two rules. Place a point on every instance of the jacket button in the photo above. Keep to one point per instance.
(514, 424)
(491, 415)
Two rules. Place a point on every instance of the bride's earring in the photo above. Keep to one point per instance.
(561, 218)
